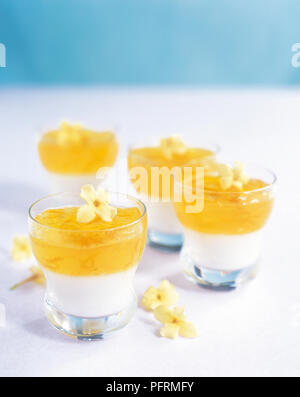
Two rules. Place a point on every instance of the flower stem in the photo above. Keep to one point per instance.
(27, 280)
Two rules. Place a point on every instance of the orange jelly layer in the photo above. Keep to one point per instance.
(64, 246)
(229, 212)
(150, 157)
(94, 150)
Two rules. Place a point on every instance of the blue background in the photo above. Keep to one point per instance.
(141, 42)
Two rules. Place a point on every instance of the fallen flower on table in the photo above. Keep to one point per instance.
(173, 319)
(21, 249)
(20, 252)
(174, 322)
(37, 276)
(165, 294)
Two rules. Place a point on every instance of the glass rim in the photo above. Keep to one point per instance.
(268, 186)
(113, 129)
(136, 200)
(215, 148)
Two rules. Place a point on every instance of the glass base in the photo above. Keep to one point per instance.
(90, 328)
(165, 241)
(216, 279)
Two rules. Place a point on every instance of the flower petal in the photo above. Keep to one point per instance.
(179, 313)
(102, 195)
(168, 293)
(62, 137)
(224, 170)
(169, 331)
(226, 181)
(106, 212)
(88, 194)
(163, 314)
(171, 145)
(68, 133)
(21, 249)
(149, 300)
(238, 169)
(165, 285)
(239, 173)
(188, 330)
(85, 214)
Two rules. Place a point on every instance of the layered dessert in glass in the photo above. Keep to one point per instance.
(223, 240)
(89, 254)
(72, 156)
(150, 168)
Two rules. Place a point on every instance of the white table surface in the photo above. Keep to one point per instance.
(254, 330)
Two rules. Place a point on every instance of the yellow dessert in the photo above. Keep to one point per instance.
(89, 253)
(172, 152)
(63, 245)
(233, 203)
(74, 150)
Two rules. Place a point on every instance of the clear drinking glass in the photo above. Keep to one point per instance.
(89, 273)
(164, 230)
(223, 242)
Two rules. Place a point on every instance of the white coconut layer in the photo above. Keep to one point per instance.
(223, 252)
(90, 296)
(162, 217)
(71, 183)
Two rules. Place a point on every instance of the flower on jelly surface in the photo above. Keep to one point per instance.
(172, 145)
(69, 133)
(174, 322)
(239, 173)
(96, 204)
(21, 249)
(165, 294)
(235, 176)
